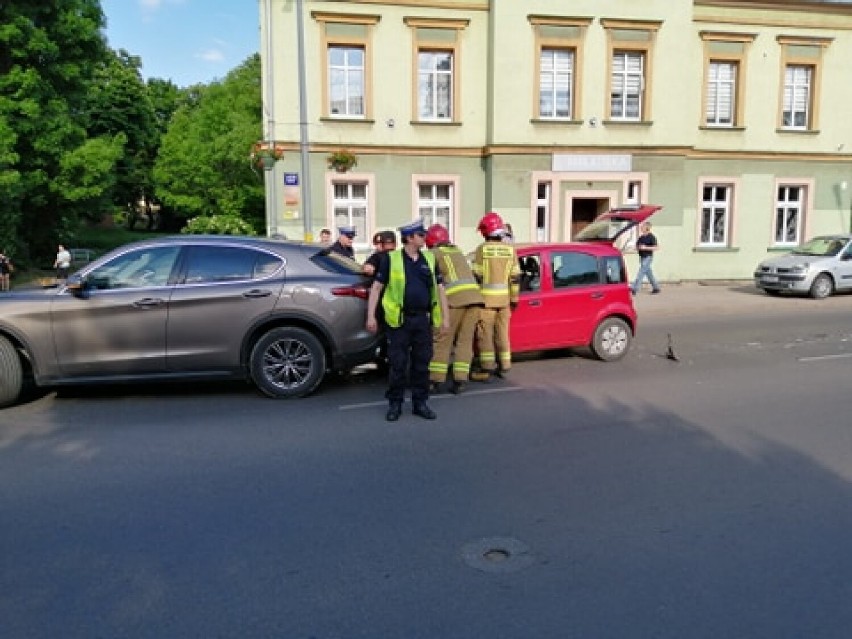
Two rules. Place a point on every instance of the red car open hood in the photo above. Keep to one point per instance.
(611, 225)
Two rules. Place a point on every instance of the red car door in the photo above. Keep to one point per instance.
(561, 310)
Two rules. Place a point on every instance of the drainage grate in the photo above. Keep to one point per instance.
(497, 554)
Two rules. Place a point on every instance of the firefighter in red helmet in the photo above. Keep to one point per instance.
(495, 266)
(464, 300)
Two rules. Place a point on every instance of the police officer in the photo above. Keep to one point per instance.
(413, 303)
(496, 267)
(464, 300)
(343, 245)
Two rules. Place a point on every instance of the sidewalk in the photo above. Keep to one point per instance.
(726, 297)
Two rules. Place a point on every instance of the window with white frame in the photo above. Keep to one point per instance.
(725, 59)
(716, 214)
(346, 76)
(628, 83)
(435, 85)
(789, 214)
(556, 79)
(721, 93)
(435, 204)
(542, 212)
(349, 207)
(797, 96)
(345, 47)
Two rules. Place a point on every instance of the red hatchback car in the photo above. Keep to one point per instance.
(577, 293)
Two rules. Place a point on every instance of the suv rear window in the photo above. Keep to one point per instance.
(335, 262)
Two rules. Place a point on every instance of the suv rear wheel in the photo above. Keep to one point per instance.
(287, 362)
(612, 339)
(11, 373)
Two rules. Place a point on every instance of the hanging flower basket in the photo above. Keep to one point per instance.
(341, 161)
(265, 156)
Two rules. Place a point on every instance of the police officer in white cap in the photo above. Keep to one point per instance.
(343, 245)
(413, 303)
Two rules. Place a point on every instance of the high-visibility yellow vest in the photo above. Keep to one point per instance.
(460, 287)
(394, 293)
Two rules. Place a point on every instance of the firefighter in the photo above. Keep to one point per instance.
(464, 300)
(495, 266)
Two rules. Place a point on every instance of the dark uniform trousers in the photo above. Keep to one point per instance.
(413, 338)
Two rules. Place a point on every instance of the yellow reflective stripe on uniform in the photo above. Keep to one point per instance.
(438, 367)
(459, 286)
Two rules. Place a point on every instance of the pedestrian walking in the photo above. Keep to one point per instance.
(413, 302)
(62, 263)
(345, 239)
(495, 266)
(6, 269)
(464, 301)
(646, 246)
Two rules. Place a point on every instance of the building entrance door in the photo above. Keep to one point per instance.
(584, 210)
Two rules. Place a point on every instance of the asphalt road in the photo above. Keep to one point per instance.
(702, 496)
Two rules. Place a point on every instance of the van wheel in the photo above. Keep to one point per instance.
(612, 339)
(11, 373)
(822, 287)
(287, 362)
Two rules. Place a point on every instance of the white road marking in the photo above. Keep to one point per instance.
(484, 391)
(822, 357)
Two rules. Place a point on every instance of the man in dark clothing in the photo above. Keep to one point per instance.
(413, 301)
(646, 246)
(343, 245)
(383, 241)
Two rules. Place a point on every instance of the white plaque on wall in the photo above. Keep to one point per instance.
(592, 163)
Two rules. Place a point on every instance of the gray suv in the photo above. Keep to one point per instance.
(280, 314)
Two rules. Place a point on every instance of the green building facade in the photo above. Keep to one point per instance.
(731, 114)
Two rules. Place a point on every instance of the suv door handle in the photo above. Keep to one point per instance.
(597, 296)
(148, 302)
(257, 292)
(534, 303)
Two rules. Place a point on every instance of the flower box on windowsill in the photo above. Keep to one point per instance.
(342, 161)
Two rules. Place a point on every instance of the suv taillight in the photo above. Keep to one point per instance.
(358, 290)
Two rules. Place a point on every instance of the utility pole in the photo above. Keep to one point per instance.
(304, 145)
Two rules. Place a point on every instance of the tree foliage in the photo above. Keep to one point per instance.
(51, 173)
(119, 104)
(203, 165)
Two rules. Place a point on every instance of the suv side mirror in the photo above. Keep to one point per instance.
(77, 286)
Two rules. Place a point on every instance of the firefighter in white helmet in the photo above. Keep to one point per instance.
(495, 266)
(464, 300)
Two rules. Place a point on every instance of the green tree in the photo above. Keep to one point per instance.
(119, 104)
(203, 165)
(51, 172)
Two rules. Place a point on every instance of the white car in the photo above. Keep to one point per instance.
(817, 268)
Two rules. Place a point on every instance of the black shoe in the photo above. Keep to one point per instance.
(422, 410)
(655, 291)
(457, 388)
(394, 411)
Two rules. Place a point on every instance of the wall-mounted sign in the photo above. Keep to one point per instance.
(291, 179)
(592, 163)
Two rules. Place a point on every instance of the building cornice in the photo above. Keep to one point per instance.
(469, 5)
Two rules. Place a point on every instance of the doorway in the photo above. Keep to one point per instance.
(584, 210)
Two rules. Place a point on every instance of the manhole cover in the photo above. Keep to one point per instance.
(497, 554)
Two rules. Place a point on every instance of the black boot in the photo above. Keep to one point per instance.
(423, 410)
(458, 387)
(394, 411)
